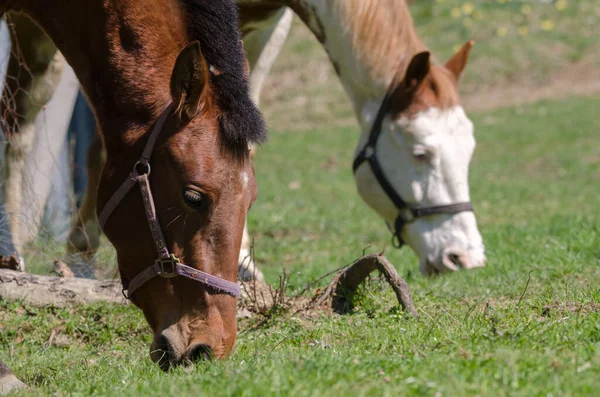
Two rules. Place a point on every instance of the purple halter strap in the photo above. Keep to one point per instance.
(166, 265)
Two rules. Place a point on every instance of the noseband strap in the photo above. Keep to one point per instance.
(166, 265)
(407, 212)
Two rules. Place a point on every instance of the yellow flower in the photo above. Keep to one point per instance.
(526, 9)
(561, 5)
(548, 25)
(467, 8)
(501, 31)
(523, 30)
(456, 13)
(478, 15)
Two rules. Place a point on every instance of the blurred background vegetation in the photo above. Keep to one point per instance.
(525, 50)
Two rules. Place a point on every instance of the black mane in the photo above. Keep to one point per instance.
(214, 23)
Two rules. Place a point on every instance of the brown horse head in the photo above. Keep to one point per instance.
(203, 185)
(202, 190)
(184, 56)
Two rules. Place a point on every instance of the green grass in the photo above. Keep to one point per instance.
(527, 324)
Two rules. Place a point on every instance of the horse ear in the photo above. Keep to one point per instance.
(457, 63)
(189, 80)
(417, 70)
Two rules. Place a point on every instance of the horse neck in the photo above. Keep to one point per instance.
(364, 75)
(125, 75)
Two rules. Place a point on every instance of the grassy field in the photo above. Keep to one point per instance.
(528, 324)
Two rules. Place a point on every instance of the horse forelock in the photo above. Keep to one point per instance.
(211, 24)
(444, 86)
(438, 90)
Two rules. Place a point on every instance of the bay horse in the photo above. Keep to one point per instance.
(167, 80)
(416, 142)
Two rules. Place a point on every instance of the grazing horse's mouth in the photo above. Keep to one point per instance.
(168, 353)
(450, 260)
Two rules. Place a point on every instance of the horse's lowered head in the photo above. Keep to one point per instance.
(178, 181)
(422, 145)
(202, 187)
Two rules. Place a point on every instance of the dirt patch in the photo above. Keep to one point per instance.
(570, 308)
(576, 79)
(315, 103)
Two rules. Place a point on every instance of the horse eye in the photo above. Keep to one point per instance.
(193, 198)
(421, 156)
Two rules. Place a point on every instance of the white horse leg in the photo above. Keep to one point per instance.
(21, 143)
(263, 43)
(25, 92)
(51, 131)
(17, 150)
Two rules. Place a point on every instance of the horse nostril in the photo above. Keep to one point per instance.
(162, 353)
(455, 259)
(199, 352)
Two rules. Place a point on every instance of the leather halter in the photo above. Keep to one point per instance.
(166, 265)
(407, 212)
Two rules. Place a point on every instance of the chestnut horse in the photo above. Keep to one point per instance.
(421, 137)
(167, 80)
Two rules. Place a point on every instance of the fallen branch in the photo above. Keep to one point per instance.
(48, 290)
(346, 282)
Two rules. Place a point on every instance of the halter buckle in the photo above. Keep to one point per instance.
(407, 215)
(168, 266)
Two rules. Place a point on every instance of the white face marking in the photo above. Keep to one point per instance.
(426, 159)
(245, 179)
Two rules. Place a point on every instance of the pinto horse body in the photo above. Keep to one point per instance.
(425, 140)
(134, 59)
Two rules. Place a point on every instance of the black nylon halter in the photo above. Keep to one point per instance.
(407, 213)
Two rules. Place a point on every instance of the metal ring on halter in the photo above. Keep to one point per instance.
(146, 171)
